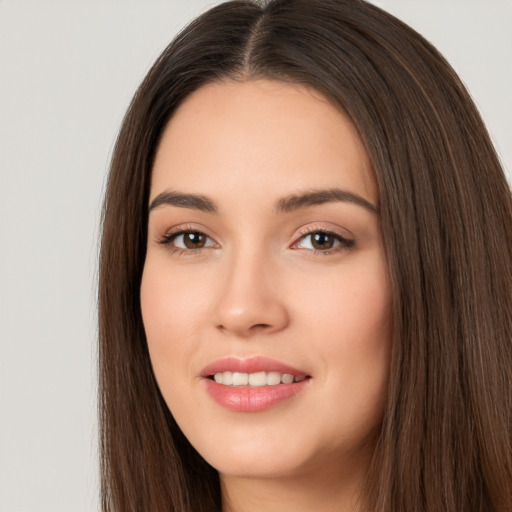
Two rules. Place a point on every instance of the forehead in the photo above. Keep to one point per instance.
(266, 136)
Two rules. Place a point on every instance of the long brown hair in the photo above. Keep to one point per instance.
(445, 443)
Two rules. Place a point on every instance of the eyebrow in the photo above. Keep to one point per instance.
(193, 201)
(315, 197)
(284, 205)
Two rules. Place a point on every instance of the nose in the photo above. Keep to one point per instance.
(251, 300)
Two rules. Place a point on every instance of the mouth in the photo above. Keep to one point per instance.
(252, 385)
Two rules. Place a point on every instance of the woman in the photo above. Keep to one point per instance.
(305, 280)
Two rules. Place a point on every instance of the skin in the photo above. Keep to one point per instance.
(259, 288)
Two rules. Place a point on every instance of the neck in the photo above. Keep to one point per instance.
(320, 491)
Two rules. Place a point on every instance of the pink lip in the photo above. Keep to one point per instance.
(246, 398)
(250, 365)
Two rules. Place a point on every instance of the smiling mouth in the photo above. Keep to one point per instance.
(254, 384)
(257, 379)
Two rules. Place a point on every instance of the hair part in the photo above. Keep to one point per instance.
(445, 442)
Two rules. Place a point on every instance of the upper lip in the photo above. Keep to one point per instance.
(250, 365)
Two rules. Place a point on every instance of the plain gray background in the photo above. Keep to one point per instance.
(68, 70)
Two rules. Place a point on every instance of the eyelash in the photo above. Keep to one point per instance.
(344, 243)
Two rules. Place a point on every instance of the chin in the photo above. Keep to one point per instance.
(257, 456)
(258, 466)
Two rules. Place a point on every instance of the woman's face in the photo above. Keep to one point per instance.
(265, 294)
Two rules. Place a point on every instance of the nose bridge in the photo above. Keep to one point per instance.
(249, 300)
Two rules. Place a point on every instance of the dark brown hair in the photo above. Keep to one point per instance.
(445, 443)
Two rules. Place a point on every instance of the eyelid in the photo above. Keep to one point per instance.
(180, 228)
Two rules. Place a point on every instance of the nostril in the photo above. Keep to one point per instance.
(259, 327)
(252, 329)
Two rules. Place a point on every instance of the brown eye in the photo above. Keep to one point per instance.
(188, 240)
(322, 241)
(194, 240)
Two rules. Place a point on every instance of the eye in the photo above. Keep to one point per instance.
(323, 241)
(187, 240)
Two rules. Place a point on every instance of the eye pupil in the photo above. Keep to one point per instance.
(194, 240)
(322, 241)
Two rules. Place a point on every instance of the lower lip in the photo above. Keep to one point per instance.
(252, 399)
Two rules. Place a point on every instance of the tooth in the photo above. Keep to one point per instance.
(287, 378)
(258, 379)
(240, 379)
(273, 378)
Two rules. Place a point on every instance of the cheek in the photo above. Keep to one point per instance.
(349, 309)
(172, 299)
(171, 321)
(351, 327)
